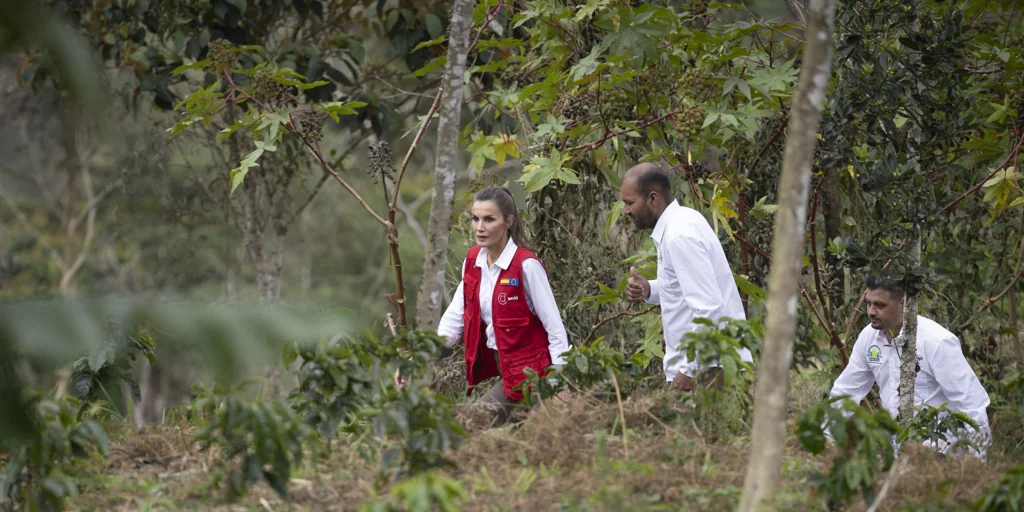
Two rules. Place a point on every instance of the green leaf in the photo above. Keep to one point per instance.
(587, 11)
(613, 216)
(432, 65)
(238, 173)
(227, 132)
(568, 176)
(582, 363)
(587, 65)
(433, 42)
(711, 118)
(339, 108)
(505, 146)
(199, 64)
(536, 180)
(312, 85)
(434, 27)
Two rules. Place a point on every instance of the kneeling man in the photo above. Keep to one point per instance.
(943, 375)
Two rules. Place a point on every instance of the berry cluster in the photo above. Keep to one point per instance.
(312, 128)
(699, 8)
(689, 122)
(618, 103)
(697, 170)
(266, 88)
(577, 107)
(607, 276)
(222, 55)
(695, 81)
(654, 82)
(382, 165)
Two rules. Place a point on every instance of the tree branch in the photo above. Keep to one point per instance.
(977, 186)
(327, 167)
(595, 327)
(995, 298)
(69, 274)
(415, 143)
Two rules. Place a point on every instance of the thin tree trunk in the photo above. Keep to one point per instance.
(432, 287)
(835, 286)
(908, 356)
(769, 429)
(1018, 344)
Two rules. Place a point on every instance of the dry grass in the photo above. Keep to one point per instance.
(553, 457)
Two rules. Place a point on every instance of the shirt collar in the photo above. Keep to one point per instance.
(504, 260)
(664, 220)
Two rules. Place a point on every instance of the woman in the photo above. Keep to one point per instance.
(503, 309)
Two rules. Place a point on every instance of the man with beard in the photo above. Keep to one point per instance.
(694, 278)
(943, 374)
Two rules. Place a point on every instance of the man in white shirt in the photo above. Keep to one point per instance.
(694, 277)
(943, 376)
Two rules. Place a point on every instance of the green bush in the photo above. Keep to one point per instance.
(261, 439)
(865, 442)
(38, 474)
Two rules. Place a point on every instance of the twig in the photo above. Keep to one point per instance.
(91, 205)
(593, 330)
(415, 142)
(814, 252)
(609, 135)
(90, 223)
(993, 299)
(392, 326)
(829, 329)
(310, 197)
(327, 167)
(981, 183)
(410, 220)
(894, 473)
(622, 414)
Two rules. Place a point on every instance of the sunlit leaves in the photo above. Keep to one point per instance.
(238, 173)
(1002, 188)
(496, 148)
(340, 108)
(542, 169)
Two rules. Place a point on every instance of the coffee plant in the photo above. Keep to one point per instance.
(99, 376)
(259, 439)
(865, 442)
(38, 474)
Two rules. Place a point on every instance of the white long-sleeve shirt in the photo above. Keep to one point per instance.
(694, 281)
(539, 298)
(944, 376)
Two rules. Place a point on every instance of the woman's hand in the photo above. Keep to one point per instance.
(562, 397)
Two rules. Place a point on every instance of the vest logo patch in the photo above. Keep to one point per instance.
(874, 355)
(504, 298)
(513, 281)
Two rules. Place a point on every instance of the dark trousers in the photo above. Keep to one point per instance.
(495, 402)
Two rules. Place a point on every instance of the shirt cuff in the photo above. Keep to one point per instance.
(557, 359)
(655, 297)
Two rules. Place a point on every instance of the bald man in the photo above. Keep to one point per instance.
(694, 278)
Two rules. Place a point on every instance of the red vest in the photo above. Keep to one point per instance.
(518, 333)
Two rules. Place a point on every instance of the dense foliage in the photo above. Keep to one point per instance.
(247, 124)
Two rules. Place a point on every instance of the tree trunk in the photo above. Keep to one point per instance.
(769, 429)
(1018, 344)
(432, 286)
(908, 356)
(835, 285)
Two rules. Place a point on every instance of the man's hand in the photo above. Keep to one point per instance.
(682, 382)
(637, 288)
(563, 397)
